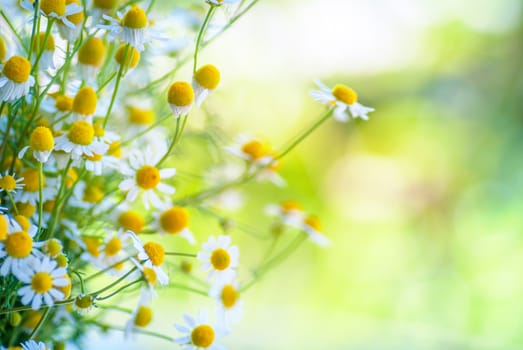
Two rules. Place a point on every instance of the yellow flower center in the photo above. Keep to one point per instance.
(135, 18)
(141, 116)
(105, 4)
(26, 209)
(77, 18)
(208, 77)
(61, 260)
(288, 206)
(220, 259)
(174, 220)
(98, 130)
(41, 282)
(17, 69)
(3, 50)
(155, 252)
(229, 296)
(180, 94)
(83, 302)
(53, 6)
(93, 194)
(345, 94)
(64, 103)
(113, 246)
(313, 222)
(202, 336)
(131, 220)
(148, 177)
(92, 52)
(53, 247)
(31, 180)
(92, 245)
(19, 244)
(67, 288)
(4, 224)
(49, 45)
(149, 275)
(8, 183)
(143, 316)
(254, 149)
(94, 158)
(81, 133)
(23, 222)
(85, 101)
(132, 57)
(41, 139)
(115, 150)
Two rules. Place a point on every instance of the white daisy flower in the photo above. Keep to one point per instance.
(58, 107)
(71, 28)
(10, 183)
(270, 173)
(60, 10)
(174, 221)
(15, 80)
(41, 142)
(205, 81)
(46, 52)
(91, 249)
(146, 178)
(142, 315)
(289, 212)
(230, 306)
(251, 149)
(90, 58)
(219, 258)
(344, 99)
(31, 191)
(199, 334)
(312, 226)
(102, 7)
(151, 255)
(116, 247)
(80, 141)
(180, 98)
(41, 280)
(33, 345)
(132, 29)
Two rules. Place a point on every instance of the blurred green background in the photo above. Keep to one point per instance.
(423, 202)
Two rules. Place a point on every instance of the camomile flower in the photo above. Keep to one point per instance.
(15, 80)
(42, 279)
(219, 258)
(52, 247)
(205, 81)
(140, 118)
(230, 306)
(9, 182)
(146, 178)
(115, 247)
(128, 56)
(18, 249)
(84, 103)
(90, 58)
(270, 173)
(57, 106)
(102, 7)
(142, 315)
(251, 149)
(41, 142)
(79, 141)
(91, 247)
(151, 256)
(289, 212)
(132, 29)
(129, 219)
(199, 334)
(83, 304)
(33, 345)
(175, 221)
(46, 49)
(180, 98)
(57, 9)
(344, 99)
(71, 27)
(31, 191)
(312, 226)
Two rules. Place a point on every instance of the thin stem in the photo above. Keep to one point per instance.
(80, 278)
(173, 143)
(136, 330)
(115, 283)
(40, 324)
(114, 307)
(141, 133)
(41, 49)
(106, 269)
(28, 307)
(15, 32)
(181, 254)
(36, 24)
(13, 202)
(120, 289)
(200, 36)
(117, 84)
(57, 203)
(188, 289)
(40, 194)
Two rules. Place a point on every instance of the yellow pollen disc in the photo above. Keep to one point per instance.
(92, 245)
(3, 50)
(94, 158)
(141, 116)
(30, 180)
(115, 150)
(41, 139)
(83, 302)
(67, 288)
(345, 94)
(254, 149)
(7, 183)
(143, 316)
(220, 259)
(61, 260)
(131, 58)
(3, 227)
(149, 275)
(131, 220)
(64, 103)
(180, 94)
(17, 69)
(72, 177)
(174, 220)
(77, 18)
(19, 244)
(105, 4)
(93, 194)
(85, 101)
(135, 18)
(53, 6)
(26, 209)
(313, 222)
(32, 319)
(92, 52)
(155, 252)
(207, 77)
(53, 247)
(81, 133)
(202, 336)
(229, 296)
(41, 282)
(119, 266)
(288, 206)
(23, 222)
(148, 177)
(49, 45)
(98, 130)
(113, 246)
(43, 121)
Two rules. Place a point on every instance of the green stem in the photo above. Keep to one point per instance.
(15, 32)
(40, 324)
(96, 274)
(120, 289)
(28, 307)
(200, 36)
(114, 307)
(141, 133)
(13, 202)
(135, 330)
(57, 201)
(117, 84)
(188, 289)
(41, 49)
(181, 254)
(41, 194)
(115, 283)
(176, 138)
(36, 23)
